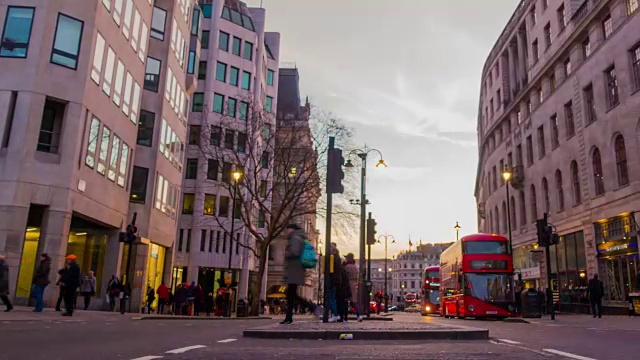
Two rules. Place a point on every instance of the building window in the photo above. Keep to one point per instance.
(209, 204)
(202, 70)
(263, 189)
(158, 22)
(261, 219)
(152, 74)
(513, 212)
(51, 127)
(139, 179)
(598, 182)
(271, 74)
(145, 128)
(218, 103)
(197, 102)
(568, 117)
(575, 179)
(108, 71)
(562, 18)
(268, 106)
(17, 32)
(586, 48)
(545, 194)
(216, 136)
(612, 87)
(194, 135)
(523, 210)
(621, 161)
(248, 51)
(231, 107)
(559, 190)
(221, 72)
(535, 50)
(104, 150)
(226, 172)
(66, 43)
(533, 15)
(188, 201)
(235, 46)
(191, 62)
(229, 139)
(204, 39)
(246, 80)
(206, 10)
(223, 211)
(632, 6)
(534, 202)
(555, 140)
(212, 169)
(607, 26)
(117, 88)
(635, 64)
(243, 110)
(567, 67)
(98, 55)
(265, 160)
(234, 73)
(92, 143)
(529, 151)
(590, 103)
(223, 41)
(547, 35)
(191, 171)
(195, 22)
(541, 142)
(242, 142)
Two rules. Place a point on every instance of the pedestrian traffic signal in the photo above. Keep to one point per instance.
(129, 236)
(335, 175)
(371, 231)
(546, 236)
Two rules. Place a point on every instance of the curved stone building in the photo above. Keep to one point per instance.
(559, 106)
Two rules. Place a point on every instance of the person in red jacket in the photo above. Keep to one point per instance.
(163, 297)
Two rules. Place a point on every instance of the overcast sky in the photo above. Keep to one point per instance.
(405, 75)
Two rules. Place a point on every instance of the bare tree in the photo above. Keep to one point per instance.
(282, 171)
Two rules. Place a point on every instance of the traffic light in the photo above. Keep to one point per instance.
(129, 236)
(335, 175)
(371, 231)
(546, 236)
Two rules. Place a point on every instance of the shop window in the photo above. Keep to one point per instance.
(89, 246)
(155, 268)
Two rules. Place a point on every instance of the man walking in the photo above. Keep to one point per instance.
(4, 285)
(40, 281)
(294, 271)
(70, 281)
(596, 291)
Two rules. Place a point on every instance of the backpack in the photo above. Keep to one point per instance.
(308, 256)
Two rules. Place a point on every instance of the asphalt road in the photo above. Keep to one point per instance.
(123, 338)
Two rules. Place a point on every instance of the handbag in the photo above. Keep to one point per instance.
(309, 258)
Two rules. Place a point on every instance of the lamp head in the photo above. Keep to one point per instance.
(236, 175)
(381, 163)
(348, 164)
(506, 174)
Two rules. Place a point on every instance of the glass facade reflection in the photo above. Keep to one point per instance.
(569, 264)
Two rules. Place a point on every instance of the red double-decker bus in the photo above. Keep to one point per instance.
(477, 278)
(430, 303)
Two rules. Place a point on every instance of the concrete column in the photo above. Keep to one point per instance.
(512, 70)
(263, 291)
(522, 64)
(112, 265)
(13, 224)
(54, 239)
(139, 273)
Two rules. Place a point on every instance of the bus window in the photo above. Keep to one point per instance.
(489, 287)
(485, 247)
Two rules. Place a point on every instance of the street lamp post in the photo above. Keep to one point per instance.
(386, 268)
(506, 175)
(237, 175)
(457, 227)
(362, 154)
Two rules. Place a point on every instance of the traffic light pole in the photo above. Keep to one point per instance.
(126, 284)
(362, 288)
(369, 272)
(547, 255)
(327, 256)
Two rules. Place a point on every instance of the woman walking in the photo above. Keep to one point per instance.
(4, 285)
(352, 275)
(88, 288)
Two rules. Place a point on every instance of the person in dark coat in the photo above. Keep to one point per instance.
(40, 281)
(343, 294)
(596, 292)
(60, 287)
(4, 284)
(294, 271)
(70, 281)
(335, 281)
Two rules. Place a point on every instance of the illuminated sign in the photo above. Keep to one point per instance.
(489, 265)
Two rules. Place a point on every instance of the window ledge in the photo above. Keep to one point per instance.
(48, 158)
(610, 108)
(622, 187)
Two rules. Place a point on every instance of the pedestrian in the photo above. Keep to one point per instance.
(208, 304)
(60, 287)
(353, 276)
(293, 270)
(595, 292)
(113, 290)
(343, 294)
(88, 288)
(335, 278)
(163, 297)
(151, 297)
(198, 299)
(190, 297)
(70, 282)
(40, 281)
(4, 284)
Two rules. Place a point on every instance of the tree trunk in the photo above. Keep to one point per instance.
(256, 285)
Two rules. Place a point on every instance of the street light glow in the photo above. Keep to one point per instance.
(236, 175)
(506, 174)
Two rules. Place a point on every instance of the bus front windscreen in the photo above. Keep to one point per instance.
(485, 247)
(489, 287)
(434, 297)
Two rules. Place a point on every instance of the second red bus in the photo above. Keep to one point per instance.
(430, 303)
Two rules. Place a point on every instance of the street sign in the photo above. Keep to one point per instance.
(228, 277)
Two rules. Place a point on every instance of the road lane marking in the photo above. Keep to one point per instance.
(569, 355)
(151, 357)
(227, 341)
(184, 349)
(509, 341)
